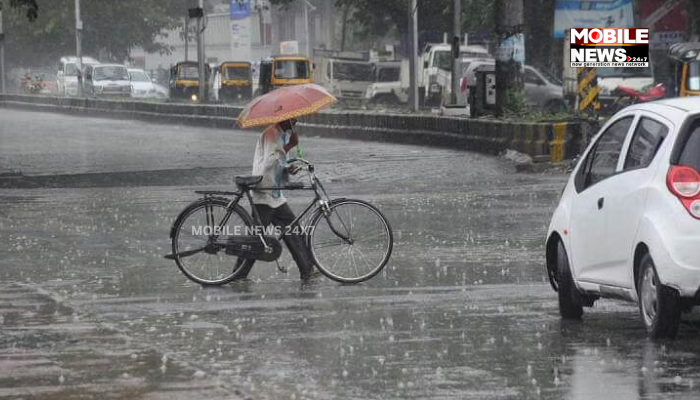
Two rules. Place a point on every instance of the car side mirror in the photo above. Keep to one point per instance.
(425, 64)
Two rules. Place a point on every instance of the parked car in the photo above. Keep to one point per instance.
(628, 222)
(542, 89)
(67, 75)
(142, 86)
(103, 80)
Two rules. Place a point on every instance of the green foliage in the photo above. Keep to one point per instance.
(110, 28)
(515, 101)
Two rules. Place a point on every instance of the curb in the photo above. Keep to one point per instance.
(555, 142)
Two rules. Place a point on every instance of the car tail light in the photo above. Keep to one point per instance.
(684, 183)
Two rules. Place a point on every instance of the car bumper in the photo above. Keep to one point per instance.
(679, 264)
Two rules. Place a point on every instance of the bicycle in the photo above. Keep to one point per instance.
(350, 240)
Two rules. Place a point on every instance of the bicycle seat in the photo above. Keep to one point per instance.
(248, 180)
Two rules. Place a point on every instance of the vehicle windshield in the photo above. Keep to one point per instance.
(694, 76)
(110, 73)
(292, 69)
(70, 69)
(188, 72)
(353, 71)
(139, 76)
(622, 72)
(443, 58)
(551, 77)
(389, 74)
(236, 73)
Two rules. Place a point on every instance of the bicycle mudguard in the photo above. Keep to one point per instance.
(195, 203)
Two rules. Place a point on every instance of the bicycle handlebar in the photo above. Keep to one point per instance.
(309, 166)
(301, 160)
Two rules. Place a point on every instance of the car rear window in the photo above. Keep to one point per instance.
(691, 151)
(648, 137)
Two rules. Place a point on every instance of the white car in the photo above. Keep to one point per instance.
(628, 222)
(142, 86)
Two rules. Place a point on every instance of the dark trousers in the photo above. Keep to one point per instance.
(282, 217)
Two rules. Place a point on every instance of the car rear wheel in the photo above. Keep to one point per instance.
(570, 306)
(659, 305)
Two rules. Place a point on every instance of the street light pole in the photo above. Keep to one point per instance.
(78, 45)
(200, 55)
(2, 54)
(307, 5)
(456, 33)
(413, 56)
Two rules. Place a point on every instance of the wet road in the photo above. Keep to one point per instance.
(89, 308)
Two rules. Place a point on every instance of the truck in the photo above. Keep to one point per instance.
(387, 85)
(345, 78)
(435, 71)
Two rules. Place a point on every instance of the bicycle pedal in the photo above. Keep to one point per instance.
(280, 268)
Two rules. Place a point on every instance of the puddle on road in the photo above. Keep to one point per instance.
(462, 310)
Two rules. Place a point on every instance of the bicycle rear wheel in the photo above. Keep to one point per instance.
(351, 242)
(199, 236)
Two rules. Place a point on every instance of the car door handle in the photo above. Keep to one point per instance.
(600, 203)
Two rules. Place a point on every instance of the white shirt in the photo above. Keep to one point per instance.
(270, 161)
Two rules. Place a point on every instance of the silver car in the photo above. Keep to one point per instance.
(542, 89)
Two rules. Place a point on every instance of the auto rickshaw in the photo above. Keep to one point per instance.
(184, 80)
(280, 71)
(236, 80)
(686, 59)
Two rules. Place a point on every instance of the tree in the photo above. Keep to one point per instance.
(31, 6)
(509, 35)
(110, 28)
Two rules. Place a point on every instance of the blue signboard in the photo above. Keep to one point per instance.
(239, 9)
(592, 14)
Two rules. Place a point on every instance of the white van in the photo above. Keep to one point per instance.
(67, 75)
(103, 80)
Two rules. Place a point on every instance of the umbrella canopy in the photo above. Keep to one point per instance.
(285, 103)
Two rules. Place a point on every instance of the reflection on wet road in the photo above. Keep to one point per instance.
(88, 305)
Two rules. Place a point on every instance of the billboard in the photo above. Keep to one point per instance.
(570, 14)
(239, 9)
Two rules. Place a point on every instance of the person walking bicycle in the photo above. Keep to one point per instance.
(270, 162)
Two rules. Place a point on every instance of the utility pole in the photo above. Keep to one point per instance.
(306, 6)
(510, 55)
(200, 54)
(2, 54)
(456, 33)
(413, 56)
(187, 37)
(78, 46)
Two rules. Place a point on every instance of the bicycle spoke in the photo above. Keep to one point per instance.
(354, 264)
(365, 259)
(212, 266)
(359, 258)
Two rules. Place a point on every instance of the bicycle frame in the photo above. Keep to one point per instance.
(320, 200)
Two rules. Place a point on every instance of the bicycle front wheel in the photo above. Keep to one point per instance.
(351, 242)
(199, 236)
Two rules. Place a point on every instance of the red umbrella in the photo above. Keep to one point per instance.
(285, 103)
